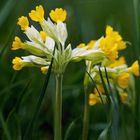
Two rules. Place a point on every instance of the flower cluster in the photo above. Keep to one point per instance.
(119, 74)
(48, 43)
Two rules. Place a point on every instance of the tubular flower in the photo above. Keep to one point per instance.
(17, 44)
(93, 99)
(134, 68)
(109, 48)
(17, 63)
(123, 79)
(58, 15)
(23, 23)
(117, 39)
(37, 14)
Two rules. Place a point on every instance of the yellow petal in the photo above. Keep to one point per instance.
(23, 23)
(37, 14)
(17, 44)
(135, 68)
(17, 63)
(58, 15)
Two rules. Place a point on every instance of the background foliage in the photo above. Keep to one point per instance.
(19, 91)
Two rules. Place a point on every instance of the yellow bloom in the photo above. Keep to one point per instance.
(37, 14)
(108, 46)
(23, 23)
(117, 39)
(123, 96)
(44, 70)
(135, 68)
(17, 44)
(123, 79)
(58, 15)
(17, 63)
(118, 62)
(93, 99)
(43, 35)
(90, 45)
(82, 45)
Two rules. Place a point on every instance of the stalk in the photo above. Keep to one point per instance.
(86, 109)
(58, 108)
(86, 116)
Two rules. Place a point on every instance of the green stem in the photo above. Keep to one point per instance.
(58, 108)
(86, 115)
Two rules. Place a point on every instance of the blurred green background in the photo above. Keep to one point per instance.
(86, 20)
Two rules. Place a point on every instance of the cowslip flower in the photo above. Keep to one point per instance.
(53, 33)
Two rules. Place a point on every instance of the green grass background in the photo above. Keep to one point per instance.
(86, 20)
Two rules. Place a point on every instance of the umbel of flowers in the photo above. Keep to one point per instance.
(118, 73)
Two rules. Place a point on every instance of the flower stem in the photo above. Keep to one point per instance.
(58, 108)
(86, 115)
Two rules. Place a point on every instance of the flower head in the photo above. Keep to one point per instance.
(58, 15)
(23, 23)
(135, 68)
(37, 14)
(17, 63)
(17, 44)
(94, 99)
(123, 79)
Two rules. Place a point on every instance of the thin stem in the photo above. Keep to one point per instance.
(86, 115)
(86, 108)
(58, 108)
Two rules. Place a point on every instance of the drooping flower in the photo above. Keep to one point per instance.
(123, 79)
(135, 68)
(17, 44)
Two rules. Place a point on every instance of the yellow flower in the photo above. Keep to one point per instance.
(82, 45)
(17, 44)
(17, 63)
(118, 62)
(123, 96)
(44, 70)
(90, 45)
(58, 15)
(123, 79)
(37, 14)
(43, 35)
(117, 39)
(135, 68)
(23, 23)
(93, 99)
(108, 46)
